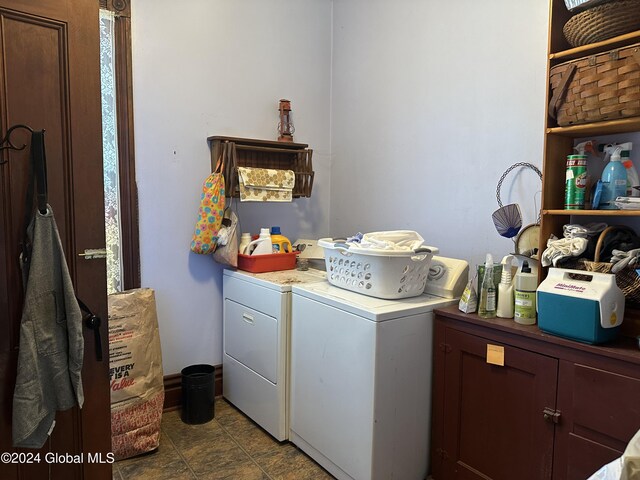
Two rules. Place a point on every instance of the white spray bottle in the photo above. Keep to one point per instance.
(505, 290)
(585, 148)
(632, 174)
(614, 178)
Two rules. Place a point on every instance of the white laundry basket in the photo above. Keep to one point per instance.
(377, 273)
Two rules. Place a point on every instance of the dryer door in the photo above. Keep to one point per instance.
(251, 338)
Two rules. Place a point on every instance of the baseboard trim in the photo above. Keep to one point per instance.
(173, 388)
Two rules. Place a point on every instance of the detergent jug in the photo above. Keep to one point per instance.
(260, 246)
(280, 243)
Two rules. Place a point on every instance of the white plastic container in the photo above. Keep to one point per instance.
(245, 240)
(525, 286)
(377, 273)
(505, 290)
(262, 245)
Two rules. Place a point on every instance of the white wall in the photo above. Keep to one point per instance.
(431, 102)
(215, 67)
(414, 108)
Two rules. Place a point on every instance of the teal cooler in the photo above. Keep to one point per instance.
(588, 311)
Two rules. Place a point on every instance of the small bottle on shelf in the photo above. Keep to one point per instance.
(525, 287)
(245, 240)
(487, 304)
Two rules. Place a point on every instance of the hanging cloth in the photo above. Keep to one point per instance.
(51, 342)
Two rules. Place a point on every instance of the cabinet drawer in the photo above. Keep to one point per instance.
(261, 299)
(251, 337)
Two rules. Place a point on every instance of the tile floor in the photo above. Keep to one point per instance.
(229, 447)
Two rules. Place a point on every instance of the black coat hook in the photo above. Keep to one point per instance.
(7, 139)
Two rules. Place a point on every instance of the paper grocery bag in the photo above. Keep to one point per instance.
(135, 371)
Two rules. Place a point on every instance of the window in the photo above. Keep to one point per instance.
(121, 215)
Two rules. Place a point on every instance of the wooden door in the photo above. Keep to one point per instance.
(49, 79)
(493, 415)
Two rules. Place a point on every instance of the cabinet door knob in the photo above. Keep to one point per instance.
(551, 415)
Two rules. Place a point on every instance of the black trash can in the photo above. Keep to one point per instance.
(198, 394)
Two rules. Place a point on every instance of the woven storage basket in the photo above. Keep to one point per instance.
(627, 278)
(602, 22)
(605, 86)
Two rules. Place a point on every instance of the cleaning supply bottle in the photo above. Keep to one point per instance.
(262, 245)
(505, 290)
(281, 244)
(576, 176)
(525, 285)
(487, 303)
(245, 240)
(614, 179)
(632, 174)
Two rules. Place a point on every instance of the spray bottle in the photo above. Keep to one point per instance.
(487, 304)
(505, 290)
(632, 173)
(576, 176)
(614, 178)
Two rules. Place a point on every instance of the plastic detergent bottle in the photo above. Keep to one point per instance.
(261, 245)
(505, 290)
(525, 285)
(487, 303)
(281, 244)
(245, 240)
(614, 179)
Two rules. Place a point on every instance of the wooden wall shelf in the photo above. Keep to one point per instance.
(251, 152)
(593, 213)
(598, 47)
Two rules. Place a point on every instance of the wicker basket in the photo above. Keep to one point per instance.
(605, 86)
(627, 278)
(602, 22)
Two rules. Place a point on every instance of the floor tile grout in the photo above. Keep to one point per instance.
(179, 452)
(245, 451)
(116, 473)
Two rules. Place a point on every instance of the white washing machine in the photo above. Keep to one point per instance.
(361, 378)
(256, 341)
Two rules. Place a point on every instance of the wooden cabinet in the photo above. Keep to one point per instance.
(559, 142)
(556, 409)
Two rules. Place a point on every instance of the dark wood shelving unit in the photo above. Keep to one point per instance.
(251, 152)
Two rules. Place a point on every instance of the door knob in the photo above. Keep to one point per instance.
(93, 253)
(551, 415)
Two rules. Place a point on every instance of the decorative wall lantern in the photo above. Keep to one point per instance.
(285, 126)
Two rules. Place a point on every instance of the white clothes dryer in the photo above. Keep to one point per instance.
(256, 339)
